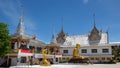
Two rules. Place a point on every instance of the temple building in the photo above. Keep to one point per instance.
(95, 45)
(20, 41)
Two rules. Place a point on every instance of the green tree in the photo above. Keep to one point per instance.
(116, 52)
(4, 39)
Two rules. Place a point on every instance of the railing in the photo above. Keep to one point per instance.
(89, 55)
(14, 50)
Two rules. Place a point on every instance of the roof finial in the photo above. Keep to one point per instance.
(62, 23)
(94, 20)
(22, 11)
(107, 29)
(53, 31)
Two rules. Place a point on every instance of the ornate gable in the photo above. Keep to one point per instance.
(95, 34)
(61, 37)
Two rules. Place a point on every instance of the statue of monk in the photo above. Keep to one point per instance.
(76, 52)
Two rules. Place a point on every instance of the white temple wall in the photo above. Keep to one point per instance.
(89, 48)
(104, 38)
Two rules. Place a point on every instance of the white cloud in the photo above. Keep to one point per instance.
(85, 1)
(11, 10)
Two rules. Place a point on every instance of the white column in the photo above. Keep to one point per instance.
(54, 60)
(15, 45)
(19, 44)
(35, 49)
(28, 45)
(8, 59)
(58, 60)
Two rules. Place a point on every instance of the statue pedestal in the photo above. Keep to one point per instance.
(78, 60)
(45, 63)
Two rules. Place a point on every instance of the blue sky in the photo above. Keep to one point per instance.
(41, 15)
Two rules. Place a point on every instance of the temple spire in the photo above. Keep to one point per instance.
(61, 36)
(107, 31)
(20, 27)
(53, 40)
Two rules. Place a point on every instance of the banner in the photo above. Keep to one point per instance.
(25, 51)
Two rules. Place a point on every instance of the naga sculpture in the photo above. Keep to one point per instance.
(44, 62)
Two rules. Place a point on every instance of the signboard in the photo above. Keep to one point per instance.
(24, 51)
(58, 55)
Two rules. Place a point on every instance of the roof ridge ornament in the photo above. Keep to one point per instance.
(62, 20)
(53, 31)
(94, 20)
(21, 11)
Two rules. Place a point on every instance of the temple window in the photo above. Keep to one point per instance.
(105, 50)
(23, 46)
(65, 51)
(39, 49)
(83, 50)
(94, 50)
(23, 60)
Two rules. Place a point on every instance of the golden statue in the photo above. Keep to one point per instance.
(44, 62)
(33, 51)
(76, 52)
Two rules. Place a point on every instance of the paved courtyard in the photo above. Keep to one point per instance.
(72, 66)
